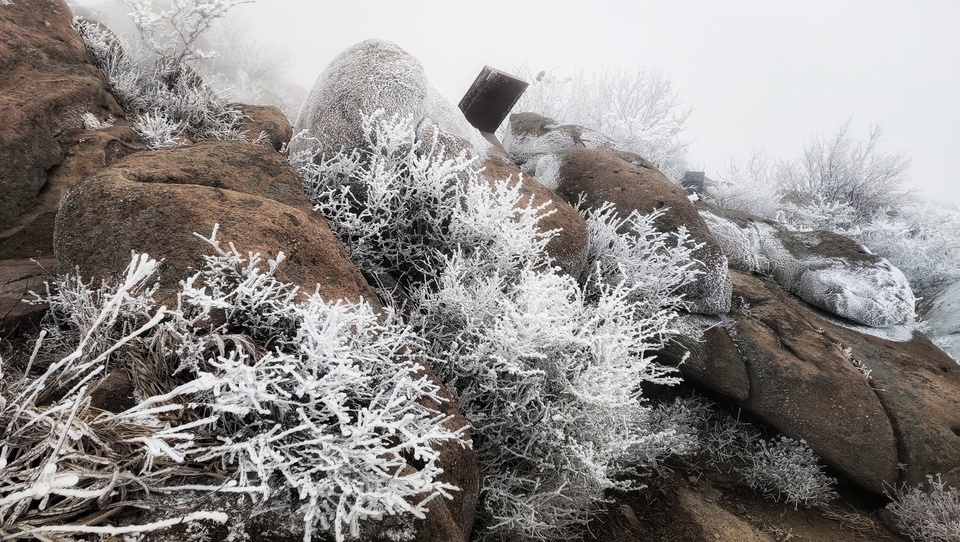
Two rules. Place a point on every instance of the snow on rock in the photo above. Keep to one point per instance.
(369, 76)
(825, 269)
(531, 136)
(941, 322)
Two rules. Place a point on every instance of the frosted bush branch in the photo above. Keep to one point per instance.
(156, 85)
(173, 32)
(640, 110)
(931, 515)
(313, 404)
(548, 371)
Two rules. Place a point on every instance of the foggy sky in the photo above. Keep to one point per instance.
(765, 74)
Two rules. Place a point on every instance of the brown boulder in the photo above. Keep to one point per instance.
(268, 120)
(46, 91)
(919, 387)
(801, 383)
(714, 360)
(879, 410)
(600, 176)
(154, 202)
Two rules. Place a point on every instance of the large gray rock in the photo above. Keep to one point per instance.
(600, 176)
(370, 76)
(823, 268)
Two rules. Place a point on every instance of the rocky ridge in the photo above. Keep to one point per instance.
(810, 347)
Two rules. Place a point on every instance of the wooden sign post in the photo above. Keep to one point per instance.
(489, 100)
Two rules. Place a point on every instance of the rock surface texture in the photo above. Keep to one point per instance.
(49, 96)
(601, 176)
(882, 412)
(155, 201)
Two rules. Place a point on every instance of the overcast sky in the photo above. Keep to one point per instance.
(766, 74)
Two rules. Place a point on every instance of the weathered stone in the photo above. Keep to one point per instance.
(881, 411)
(600, 176)
(46, 89)
(713, 361)
(919, 387)
(268, 120)
(802, 384)
(154, 202)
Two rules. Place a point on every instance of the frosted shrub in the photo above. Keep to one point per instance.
(401, 207)
(546, 368)
(630, 250)
(782, 469)
(312, 406)
(749, 186)
(173, 32)
(640, 110)
(159, 131)
(923, 241)
(788, 470)
(154, 82)
(928, 516)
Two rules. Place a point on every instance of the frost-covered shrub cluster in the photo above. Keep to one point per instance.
(787, 470)
(928, 516)
(640, 110)
(782, 469)
(154, 81)
(311, 407)
(546, 367)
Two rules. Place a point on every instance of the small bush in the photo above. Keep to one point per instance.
(546, 367)
(928, 516)
(782, 469)
(313, 407)
(788, 470)
(158, 87)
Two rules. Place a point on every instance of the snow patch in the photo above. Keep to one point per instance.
(861, 287)
(548, 171)
(942, 321)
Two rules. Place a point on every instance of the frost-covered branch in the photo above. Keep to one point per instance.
(312, 404)
(546, 369)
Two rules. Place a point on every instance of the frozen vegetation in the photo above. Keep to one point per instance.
(546, 367)
(304, 405)
(311, 404)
